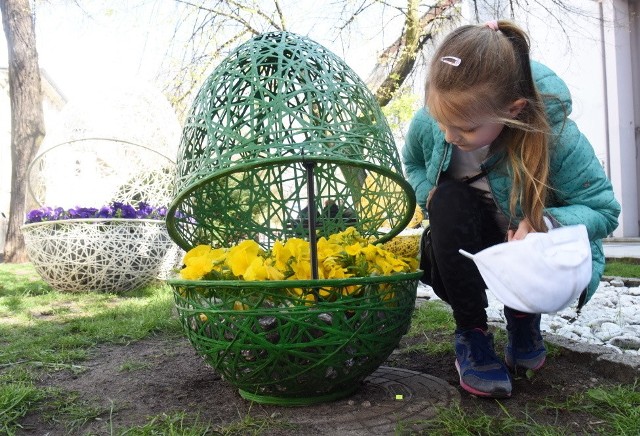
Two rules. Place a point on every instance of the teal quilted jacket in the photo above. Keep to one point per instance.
(581, 191)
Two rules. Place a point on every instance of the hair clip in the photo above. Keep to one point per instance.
(451, 60)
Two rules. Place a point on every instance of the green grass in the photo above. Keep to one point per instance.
(618, 408)
(182, 424)
(43, 330)
(67, 408)
(455, 421)
(622, 267)
(614, 411)
(46, 327)
(18, 395)
(430, 320)
(179, 424)
(133, 365)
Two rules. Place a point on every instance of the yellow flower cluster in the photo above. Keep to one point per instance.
(343, 255)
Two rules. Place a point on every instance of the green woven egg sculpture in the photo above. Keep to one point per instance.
(276, 107)
(284, 140)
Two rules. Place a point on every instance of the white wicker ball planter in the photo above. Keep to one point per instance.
(98, 254)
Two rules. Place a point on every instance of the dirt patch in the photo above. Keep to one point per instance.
(163, 375)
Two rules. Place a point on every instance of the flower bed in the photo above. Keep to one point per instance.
(115, 209)
(116, 248)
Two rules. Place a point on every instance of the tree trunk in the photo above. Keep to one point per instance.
(384, 80)
(27, 119)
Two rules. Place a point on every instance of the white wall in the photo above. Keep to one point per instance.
(620, 54)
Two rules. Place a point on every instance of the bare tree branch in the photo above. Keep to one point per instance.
(402, 54)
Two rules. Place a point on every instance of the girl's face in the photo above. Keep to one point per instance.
(468, 135)
(469, 131)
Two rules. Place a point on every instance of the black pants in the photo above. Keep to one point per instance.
(460, 217)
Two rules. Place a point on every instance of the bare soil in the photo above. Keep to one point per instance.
(162, 376)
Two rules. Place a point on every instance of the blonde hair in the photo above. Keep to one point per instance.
(493, 72)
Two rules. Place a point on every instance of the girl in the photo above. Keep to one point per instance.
(489, 109)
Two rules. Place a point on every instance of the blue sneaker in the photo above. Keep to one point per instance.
(481, 372)
(525, 348)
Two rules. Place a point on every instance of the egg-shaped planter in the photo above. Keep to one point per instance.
(278, 144)
(105, 255)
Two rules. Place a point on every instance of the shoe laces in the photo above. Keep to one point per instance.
(524, 331)
(480, 346)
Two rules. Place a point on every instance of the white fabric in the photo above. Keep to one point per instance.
(542, 273)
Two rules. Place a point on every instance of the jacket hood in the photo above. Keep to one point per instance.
(558, 97)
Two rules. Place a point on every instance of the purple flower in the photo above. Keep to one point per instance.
(115, 209)
(58, 214)
(35, 216)
(144, 210)
(125, 211)
(83, 212)
(105, 212)
(162, 212)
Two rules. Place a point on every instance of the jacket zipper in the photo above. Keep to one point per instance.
(444, 155)
(483, 167)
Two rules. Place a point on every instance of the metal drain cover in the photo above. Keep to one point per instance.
(388, 398)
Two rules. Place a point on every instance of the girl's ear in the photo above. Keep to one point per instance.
(516, 107)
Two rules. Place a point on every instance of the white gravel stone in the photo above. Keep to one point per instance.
(626, 342)
(607, 331)
(635, 291)
(611, 318)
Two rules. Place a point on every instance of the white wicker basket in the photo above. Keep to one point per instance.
(106, 255)
(92, 172)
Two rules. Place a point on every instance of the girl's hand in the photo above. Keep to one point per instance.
(524, 228)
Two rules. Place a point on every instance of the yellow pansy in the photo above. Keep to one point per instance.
(325, 292)
(256, 270)
(383, 266)
(327, 249)
(242, 255)
(217, 255)
(262, 269)
(281, 255)
(301, 270)
(197, 251)
(310, 299)
(239, 305)
(353, 249)
(350, 290)
(296, 292)
(371, 252)
(340, 256)
(337, 272)
(299, 248)
(399, 264)
(412, 263)
(273, 273)
(347, 237)
(196, 268)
